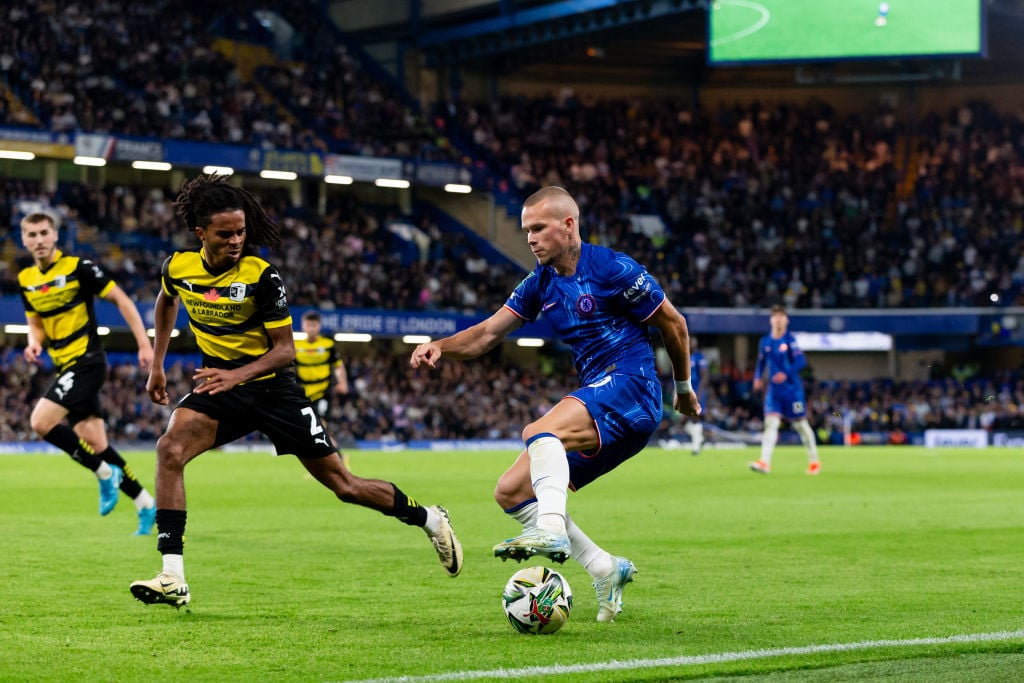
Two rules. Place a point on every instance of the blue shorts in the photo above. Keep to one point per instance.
(626, 411)
(786, 400)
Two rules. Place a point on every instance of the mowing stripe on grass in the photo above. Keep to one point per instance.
(691, 660)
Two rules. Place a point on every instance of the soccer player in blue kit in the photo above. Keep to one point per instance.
(780, 358)
(600, 303)
(694, 426)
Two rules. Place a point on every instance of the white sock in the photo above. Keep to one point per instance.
(696, 432)
(433, 521)
(175, 564)
(803, 428)
(768, 439)
(591, 556)
(144, 500)
(549, 472)
(525, 515)
(104, 471)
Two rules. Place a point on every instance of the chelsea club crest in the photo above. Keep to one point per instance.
(586, 305)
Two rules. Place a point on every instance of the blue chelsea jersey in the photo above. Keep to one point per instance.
(599, 311)
(780, 355)
(698, 368)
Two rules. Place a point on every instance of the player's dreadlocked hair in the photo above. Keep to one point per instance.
(203, 196)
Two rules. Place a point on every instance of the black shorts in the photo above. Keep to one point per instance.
(77, 389)
(276, 407)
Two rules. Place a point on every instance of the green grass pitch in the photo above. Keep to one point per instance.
(752, 30)
(887, 544)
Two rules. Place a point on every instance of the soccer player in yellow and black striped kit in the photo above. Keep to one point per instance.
(58, 291)
(238, 310)
(320, 371)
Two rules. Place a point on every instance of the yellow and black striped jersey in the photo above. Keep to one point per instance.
(229, 310)
(63, 297)
(315, 360)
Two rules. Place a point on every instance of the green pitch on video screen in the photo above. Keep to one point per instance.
(792, 30)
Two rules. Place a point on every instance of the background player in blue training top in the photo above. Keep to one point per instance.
(694, 426)
(600, 303)
(781, 360)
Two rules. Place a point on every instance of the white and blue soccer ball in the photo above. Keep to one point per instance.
(537, 600)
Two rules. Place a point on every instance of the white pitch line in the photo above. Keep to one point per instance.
(753, 28)
(694, 660)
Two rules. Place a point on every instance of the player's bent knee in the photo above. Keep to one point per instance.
(171, 452)
(42, 423)
(531, 430)
(508, 492)
(501, 498)
(39, 426)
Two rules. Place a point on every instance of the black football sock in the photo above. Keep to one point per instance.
(407, 509)
(130, 485)
(170, 527)
(64, 438)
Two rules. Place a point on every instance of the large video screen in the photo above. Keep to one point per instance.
(753, 31)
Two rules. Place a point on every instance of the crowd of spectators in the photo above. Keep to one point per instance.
(350, 256)
(792, 202)
(993, 402)
(352, 109)
(142, 69)
(754, 203)
(759, 205)
(494, 398)
(744, 205)
(154, 70)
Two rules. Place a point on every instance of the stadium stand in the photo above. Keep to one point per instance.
(743, 205)
(494, 398)
(734, 226)
(353, 255)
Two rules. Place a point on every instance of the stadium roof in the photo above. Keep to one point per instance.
(669, 36)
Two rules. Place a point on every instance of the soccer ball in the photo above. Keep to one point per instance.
(537, 600)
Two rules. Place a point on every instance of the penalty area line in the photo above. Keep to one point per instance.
(695, 660)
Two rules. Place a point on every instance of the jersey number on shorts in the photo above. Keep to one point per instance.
(66, 381)
(314, 427)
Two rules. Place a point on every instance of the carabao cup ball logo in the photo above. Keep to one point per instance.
(585, 305)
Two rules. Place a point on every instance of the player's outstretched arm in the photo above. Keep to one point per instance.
(470, 343)
(676, 337)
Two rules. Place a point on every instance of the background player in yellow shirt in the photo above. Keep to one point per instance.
(59, 291)
(320, 370)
